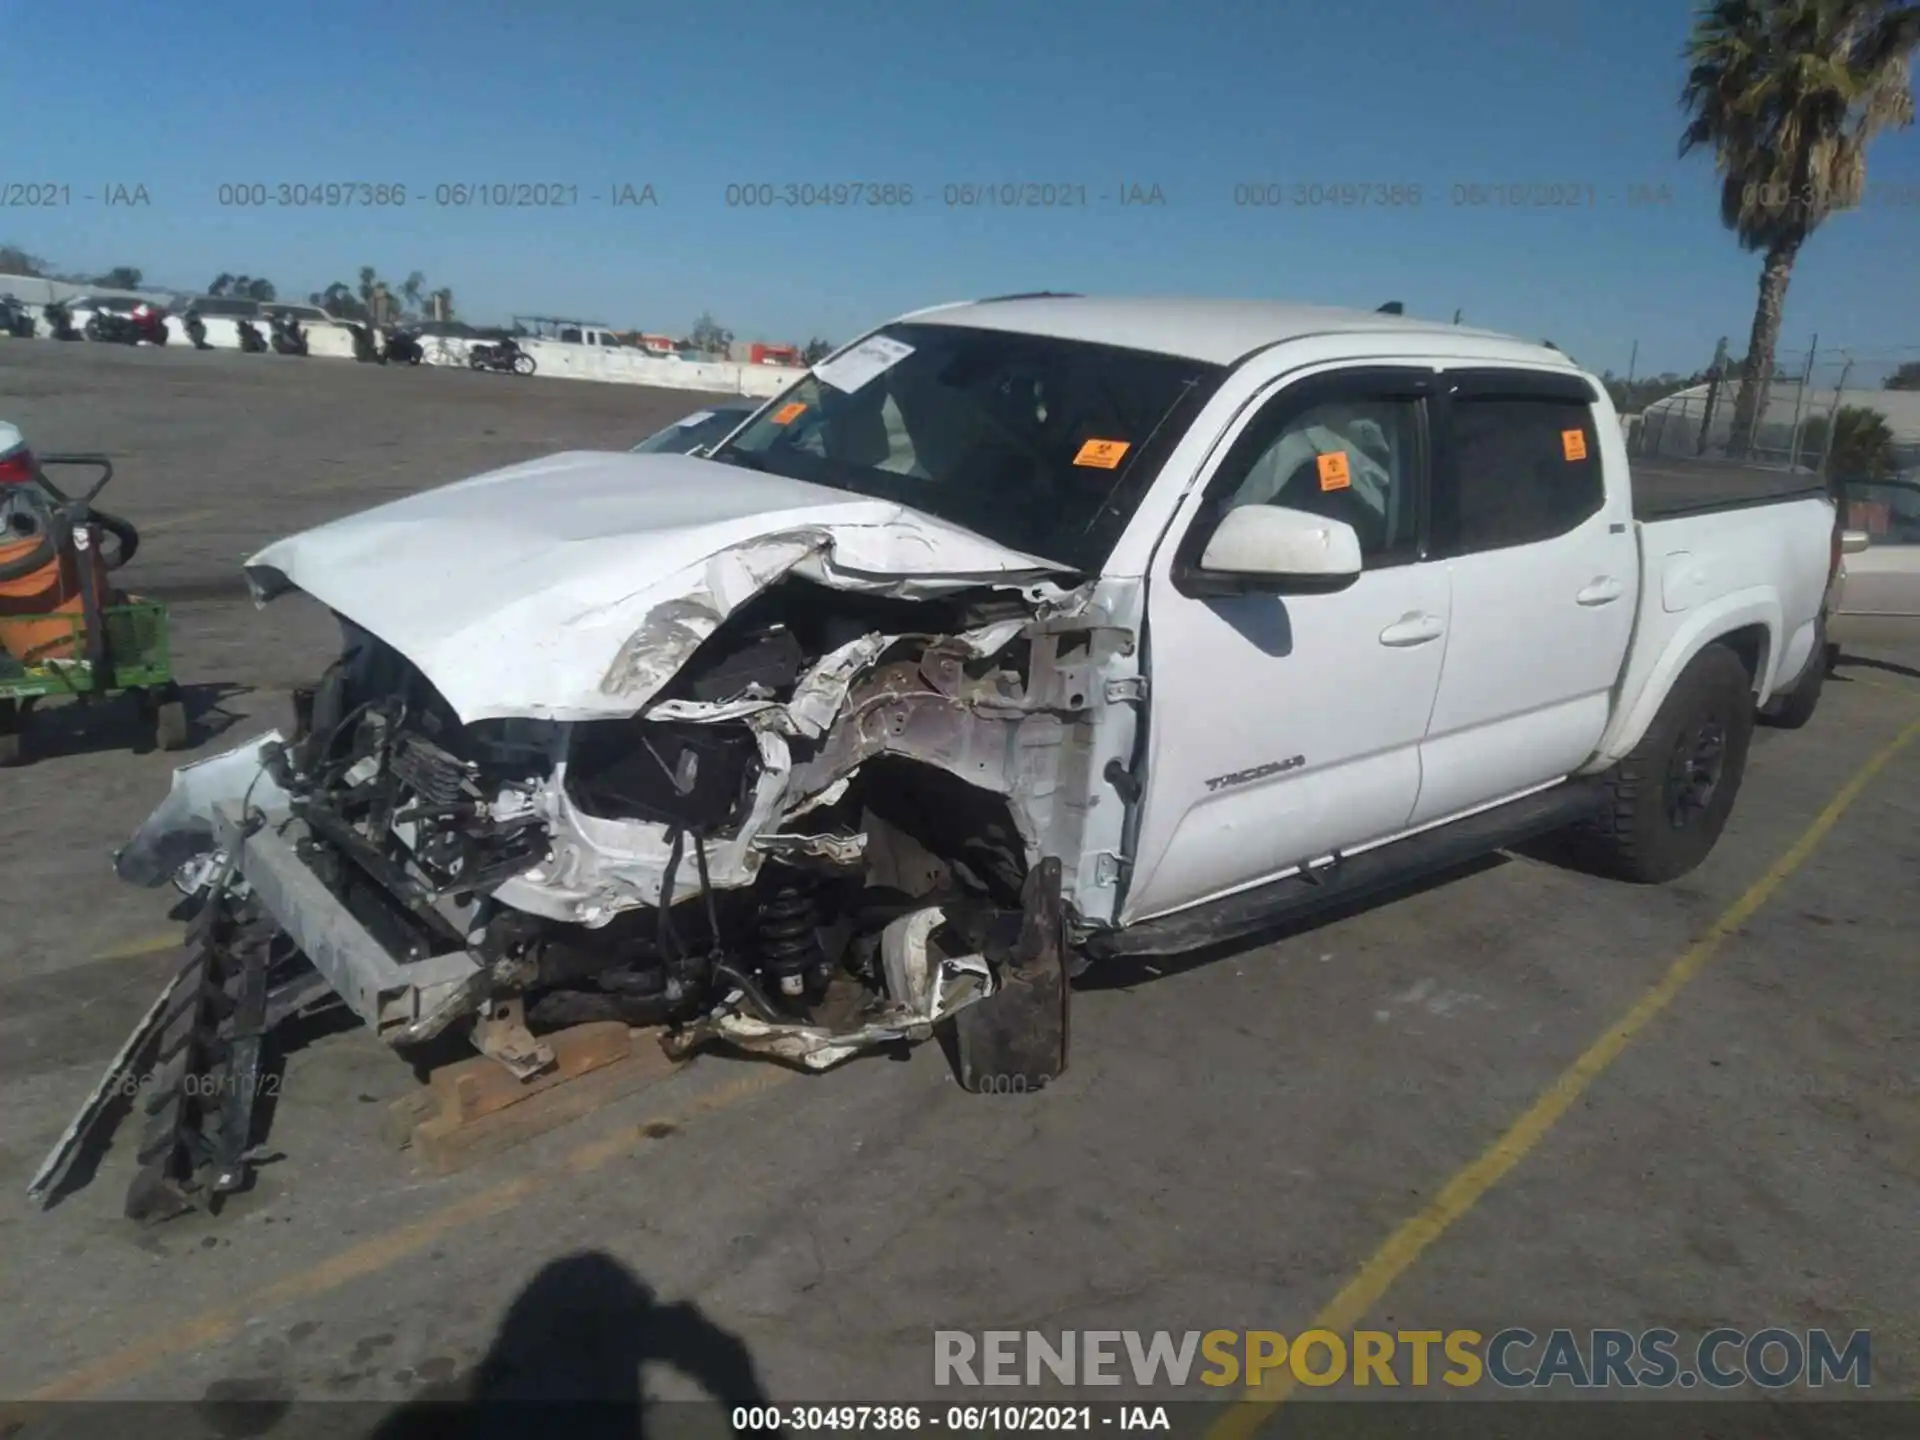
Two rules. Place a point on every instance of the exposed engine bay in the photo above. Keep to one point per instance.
(811, 841)
(635, 740)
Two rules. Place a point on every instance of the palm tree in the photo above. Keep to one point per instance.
(1863, 445)
(1788, 94)
(413, 287)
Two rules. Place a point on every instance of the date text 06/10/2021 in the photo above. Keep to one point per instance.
(958, 1419)
(981, 194)
(445, 195)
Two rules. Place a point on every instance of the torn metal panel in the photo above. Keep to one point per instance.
(180, 830)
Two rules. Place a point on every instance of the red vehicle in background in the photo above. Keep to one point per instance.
(123, 319)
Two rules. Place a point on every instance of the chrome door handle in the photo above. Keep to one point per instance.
(1413, 628)
(1603, 591)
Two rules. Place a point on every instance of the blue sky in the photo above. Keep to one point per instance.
(1195, 98)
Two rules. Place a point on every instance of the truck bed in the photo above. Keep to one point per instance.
(1667, 485)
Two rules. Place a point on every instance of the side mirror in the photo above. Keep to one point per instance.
(1272, 550)
(1852, 542)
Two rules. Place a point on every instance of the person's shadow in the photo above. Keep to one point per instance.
(567, 1362)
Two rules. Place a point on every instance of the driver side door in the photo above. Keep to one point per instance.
(1284, 727)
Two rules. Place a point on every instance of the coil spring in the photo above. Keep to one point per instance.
(787, 928)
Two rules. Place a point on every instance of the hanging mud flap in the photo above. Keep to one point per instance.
(194, 1065)
(1015, 1039)
(198, 1105)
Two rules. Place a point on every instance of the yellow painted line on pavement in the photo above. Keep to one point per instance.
(382, 1252)
(145, 945)
(174, 522)
(1405, 1245)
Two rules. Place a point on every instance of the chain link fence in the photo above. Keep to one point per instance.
(1809, 416)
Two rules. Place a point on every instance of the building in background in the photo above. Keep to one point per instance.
(761, 352)
(1672, 426)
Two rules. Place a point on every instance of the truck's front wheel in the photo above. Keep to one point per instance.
(1668, 800)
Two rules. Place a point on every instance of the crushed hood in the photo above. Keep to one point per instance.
(574, 587)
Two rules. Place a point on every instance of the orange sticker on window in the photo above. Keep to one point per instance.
(789, 412)
(1102, 454)
(1334, 474)
(1573, 444)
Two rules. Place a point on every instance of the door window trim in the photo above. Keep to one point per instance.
(1501, 383)
(1286, 403)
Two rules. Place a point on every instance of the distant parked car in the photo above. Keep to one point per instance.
(1881, 578)
(701, 428)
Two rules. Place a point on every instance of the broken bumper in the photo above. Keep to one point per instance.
(403, 1002)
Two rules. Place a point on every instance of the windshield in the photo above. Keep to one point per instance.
(703, 427)
(1031, 441)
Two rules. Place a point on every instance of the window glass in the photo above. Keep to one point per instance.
(1031, 440)
(1524, 470)
(1348, 460)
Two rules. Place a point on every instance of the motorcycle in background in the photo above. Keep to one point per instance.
(288, 337)
(14, 319)
(403, 348)
(111, 327)
(364, 349)
(129, 327)
(60, 321)
(504, 356)
(251, 342)
(197, 331)
(149, 324)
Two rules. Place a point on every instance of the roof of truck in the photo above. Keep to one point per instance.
(1218, 331)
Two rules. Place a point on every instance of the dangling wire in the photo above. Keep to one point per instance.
(669, 939)
(706, 894)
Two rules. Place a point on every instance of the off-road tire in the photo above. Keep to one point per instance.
(1636, 835)
(1795, 708)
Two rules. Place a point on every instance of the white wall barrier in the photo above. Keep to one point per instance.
(555, 359)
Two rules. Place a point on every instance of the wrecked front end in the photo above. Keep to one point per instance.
(815, 840)
(826, 827)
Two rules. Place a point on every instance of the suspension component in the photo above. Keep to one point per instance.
(789, 934)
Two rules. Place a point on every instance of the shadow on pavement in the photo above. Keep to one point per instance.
(1862, 662)
(572, 1344)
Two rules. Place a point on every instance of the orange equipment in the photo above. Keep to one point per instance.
(42, 589)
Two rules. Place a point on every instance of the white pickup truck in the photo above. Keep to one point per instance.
(1017, 634)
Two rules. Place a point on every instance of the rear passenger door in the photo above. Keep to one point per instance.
(1542, 559)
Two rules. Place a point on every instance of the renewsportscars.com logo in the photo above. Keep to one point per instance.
(1511, 1359)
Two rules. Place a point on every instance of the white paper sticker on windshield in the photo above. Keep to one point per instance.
(696, 418)
(873, 356)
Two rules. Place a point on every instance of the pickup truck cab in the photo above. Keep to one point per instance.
(1017, 634)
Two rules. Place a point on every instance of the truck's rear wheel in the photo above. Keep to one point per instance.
(1668, 800)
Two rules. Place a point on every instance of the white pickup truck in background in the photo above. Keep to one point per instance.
(1017, 634)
